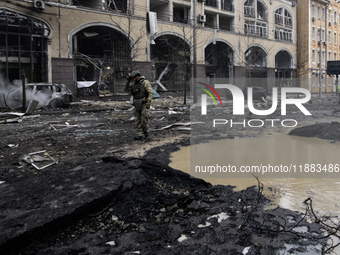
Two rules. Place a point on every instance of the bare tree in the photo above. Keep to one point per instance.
(173, 51)
(130, 45)
(252, 54)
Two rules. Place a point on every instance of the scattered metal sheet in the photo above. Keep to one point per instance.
(40, 159)
(13, 145)
(60, 126)
(13, 117)
(184, 128)
(111, 243)
(178, 124)
(172, 112)
(32, 106)
(11, 120)
(8, 114)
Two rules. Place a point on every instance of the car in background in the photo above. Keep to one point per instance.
(49, 95)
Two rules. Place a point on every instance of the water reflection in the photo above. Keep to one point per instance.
(287, 193)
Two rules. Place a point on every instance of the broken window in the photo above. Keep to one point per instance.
(252, 27)
(212, 3)
(171, 53)
(288, 19)
(226, 23)
(211, 20)
(102, 55)
(255, 56)
(117, 5)
(94, 4)
(227, 5)
(23, 46)
(181, 13)
(284, 19)
(279, 16)
(161, 8)
(261, 11)
(249, 8)
(218, 60)
(111, 5)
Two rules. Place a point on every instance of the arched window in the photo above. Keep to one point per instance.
(283, 25)
(171, 57)
(218, 60)
(255, 56)
(256, 18)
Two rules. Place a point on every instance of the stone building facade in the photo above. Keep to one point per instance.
(79, 42)
(319, 42)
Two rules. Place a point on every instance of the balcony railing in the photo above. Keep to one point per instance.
(213, 3)
(262, 16)
(262, 34)
(249, 11)
(283, 35)
(278, 19)
(288, 22)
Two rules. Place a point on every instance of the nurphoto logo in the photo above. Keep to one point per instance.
(239, 104)
(209, 93)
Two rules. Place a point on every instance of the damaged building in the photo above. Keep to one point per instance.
(23, 45)
(93, 45)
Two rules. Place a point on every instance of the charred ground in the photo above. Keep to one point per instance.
(108, 187)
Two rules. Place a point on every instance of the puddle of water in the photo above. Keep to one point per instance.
(310, 250)
(287, 193)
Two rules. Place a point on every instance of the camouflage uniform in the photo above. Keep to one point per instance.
(142, 93)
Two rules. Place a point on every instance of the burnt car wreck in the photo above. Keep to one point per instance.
(46, 95)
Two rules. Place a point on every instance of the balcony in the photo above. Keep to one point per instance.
(249, 11)
(278, 19)
(227, 5)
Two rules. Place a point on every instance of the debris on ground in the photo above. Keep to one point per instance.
(97, 194)
(40, 160)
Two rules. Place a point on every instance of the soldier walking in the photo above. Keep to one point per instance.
(142, 93)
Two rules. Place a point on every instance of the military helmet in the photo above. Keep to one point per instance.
(135, 73)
